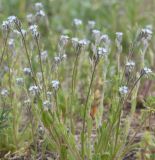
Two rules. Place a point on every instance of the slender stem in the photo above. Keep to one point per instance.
(86, 107)
(41, 66)
(32, 128)
(74, 75)
(5, 44)
(132, 88)
(11, 103)
(75, 71)
(27, 54)
(118, 125)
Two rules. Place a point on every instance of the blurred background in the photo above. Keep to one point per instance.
(113, 15)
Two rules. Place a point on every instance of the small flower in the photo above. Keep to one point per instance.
(38, 6)
(64, 56)
(30, 18)
(40, 14)
(57, 59)
(104, 38)
(130, 65)
(123, 90)
(106, 42)
(63, 41)
(34, 90)
(5, 26)
(39, 76)
(91, 24)
(49, 95)
(20, 81)
(27, 101)
(34, 31)
(4, 92)
(13, 20)
(83, 43)
(75, 42)
(44, 56)
(101, 51)
(46, 105)
(27, 71)
(119, 36)
(96, 33)
(145, 34)
(55, 84)
(11, 43)
(146, 71)
(23, 32)
(16, 33)
(77, 22)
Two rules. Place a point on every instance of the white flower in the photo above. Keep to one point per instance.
(55, 84)
(12, 19)
(91, 24)
(38, 6)
(34, 90)
(130, 65)
(4, 92)
(77, 22)
(44, 56)
(34, 31)
(104, 38)
(20, 81)
(11, 43)
(75, 42)
(46, 105)
(123, 90)
(119, 36)
(27, 101)
(64, 56)
(101, 51)
(23, 32)
(83, 43)
(106, 41)
(57, 59)
(96, 33)
(146, 70)
(5, 26)
(27, 71)
(63, 41)
(39, 76)
(30, 18)
(40, 13)
(146, 33)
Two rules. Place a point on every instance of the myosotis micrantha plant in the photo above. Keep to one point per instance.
(37, 92)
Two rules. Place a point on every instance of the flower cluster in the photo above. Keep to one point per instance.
(34, 90)
(119, 37)
(123, 90)
(20, 81)
(146, 71)
(4, 93)
(27, 71)
(130, 66)
(46, 105)
(34, 31)
(55, 84)
(77, 22)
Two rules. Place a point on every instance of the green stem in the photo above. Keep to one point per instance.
(74, 75)
(5, 44)
(85, 109)
(41, 66)
(27, 54)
